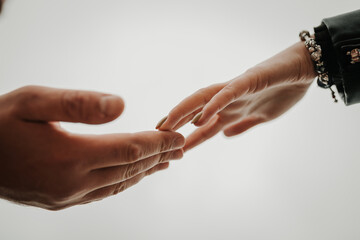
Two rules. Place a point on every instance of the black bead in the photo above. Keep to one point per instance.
(320, 69)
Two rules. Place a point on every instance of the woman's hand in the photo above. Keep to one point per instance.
(261, 94)
(43, 165)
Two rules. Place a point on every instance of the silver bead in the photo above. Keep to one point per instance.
(324, 77)
(310, 43)
(315, 56)
(320, 64)
(303, 35)
(311, 49)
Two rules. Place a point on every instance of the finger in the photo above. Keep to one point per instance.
(250, 82)
(223, 98)
(49, 104)
(109, 176)
(242, 126)
(120, 149)
(181, 123)
(203, 133)
(189, 105)
(186, 120)
(121, 186)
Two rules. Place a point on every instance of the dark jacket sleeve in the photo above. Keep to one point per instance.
(339, 38)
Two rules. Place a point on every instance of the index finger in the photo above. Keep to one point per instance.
(189, 105)
(227, 95)
(120, 149)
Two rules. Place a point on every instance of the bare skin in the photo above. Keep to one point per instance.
(1, 3)
(43, 165)
(261, 94)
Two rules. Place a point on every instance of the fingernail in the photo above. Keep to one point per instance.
(109, 105)
(196, 118)
(161, 122)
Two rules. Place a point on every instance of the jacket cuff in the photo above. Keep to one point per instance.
(339, 38)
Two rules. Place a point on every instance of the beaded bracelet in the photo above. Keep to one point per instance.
(314, 49)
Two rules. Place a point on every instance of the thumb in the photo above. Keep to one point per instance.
(49, 104)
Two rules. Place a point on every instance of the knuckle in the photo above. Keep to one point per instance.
(74, 104)
(170, 141)
(231, 93)
(258, 80)
(119, 187)
(201, 91)
(126, 153)
(205, 95)
(26, 96)
(165, 144)
(131, 171)
(28, 89)
(254, 84)
(164, 157)
(133, 152)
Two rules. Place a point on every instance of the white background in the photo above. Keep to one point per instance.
(297, 177)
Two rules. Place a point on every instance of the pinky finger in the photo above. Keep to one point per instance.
(121, 186)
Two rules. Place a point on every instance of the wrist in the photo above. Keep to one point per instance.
(316, 54)
(306, 67)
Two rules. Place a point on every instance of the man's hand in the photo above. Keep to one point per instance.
(43, 165)
(259, 95)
